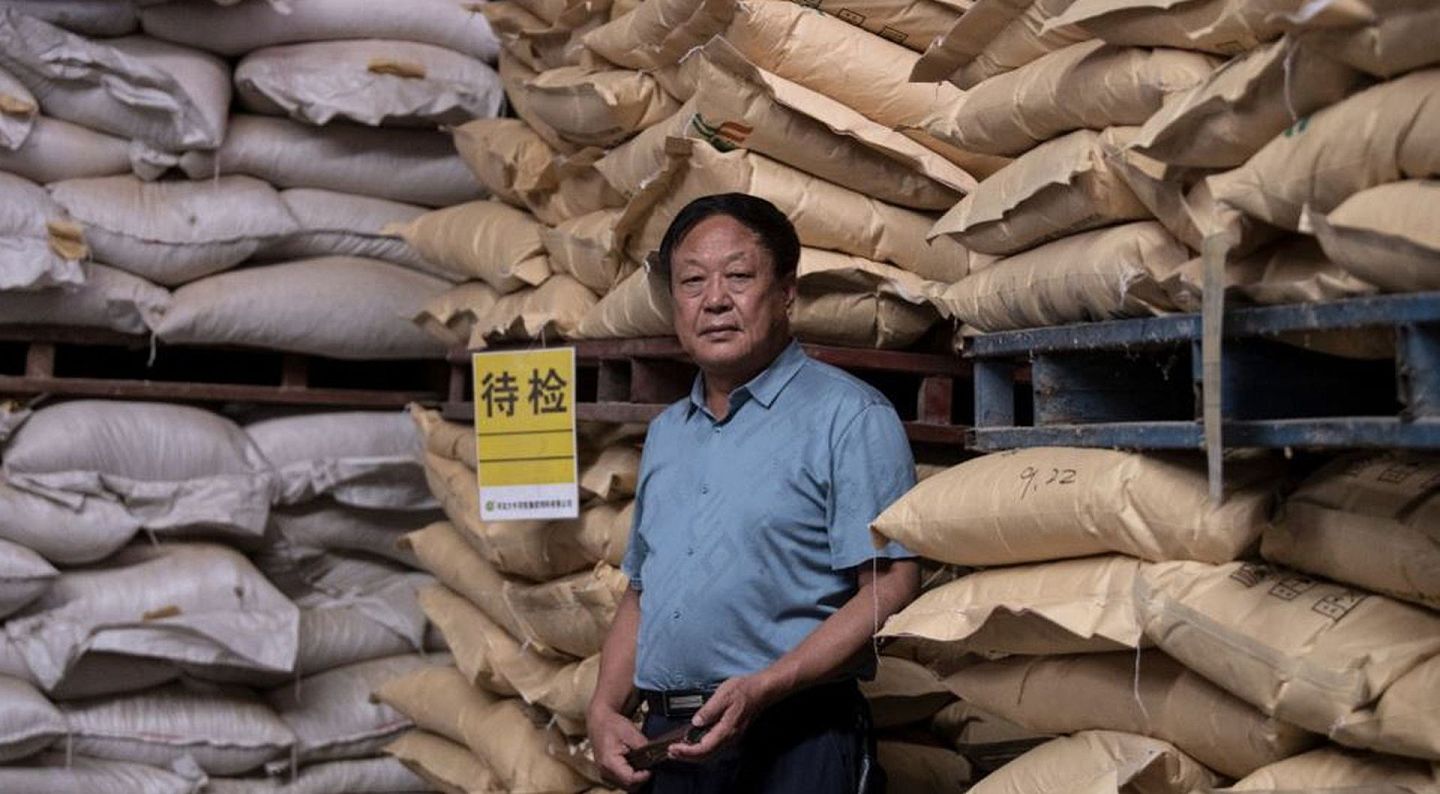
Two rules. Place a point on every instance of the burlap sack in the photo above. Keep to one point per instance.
(443, 551)
(1322, 160)
(1406, 721)
(39, 245)
(846, 64)
(539, 44)
(449, 440)
(609, 473)
(910, 766)
(586, 248)
(994, 37)
(1149, 694)
(656, 35)
(1384, 38)
(370, 81)
(1071, 606)
(1304, 650)
(478, 644)
(571, 614)
(1243, 105)
(450, 317)
(552, 310)
(238, 28)
(18, 110)
(411, 166)
(605, 531)
(447, 765)
(1097, 275)
(597, 108)
(337, 306)
(56, 150)
(533, 549)
(1292, 270)
(1061, 187)
(514, 74)
(175, 232)
(738, 105)
(853, 302)
(825, 215)
(437, 698)
(1224, 27)
(1050, 503)
(486, 239)
(1369, 520)
(516, 165)
(1385, 235)
(1334, 769)
(903, 693)
(1090, 85)
(166, 97)
(638, 306)
(1099, 762)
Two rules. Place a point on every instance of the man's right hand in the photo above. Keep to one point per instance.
(612, 736)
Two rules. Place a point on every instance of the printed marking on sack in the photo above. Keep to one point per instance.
(853, 17)
(1035, 478)
(1251, 574)
(1338, 605)
(894, 35)
(1397, 473)
(725, 136)
(1291, 587)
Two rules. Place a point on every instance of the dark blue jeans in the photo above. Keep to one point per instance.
(816, 742)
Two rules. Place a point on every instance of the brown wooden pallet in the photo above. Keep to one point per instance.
(634, 379)
(79, 362)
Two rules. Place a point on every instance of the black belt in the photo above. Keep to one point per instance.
(685, 702)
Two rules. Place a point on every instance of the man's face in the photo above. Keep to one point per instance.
(730, 309)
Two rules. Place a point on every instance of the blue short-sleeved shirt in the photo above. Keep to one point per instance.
(746, 529)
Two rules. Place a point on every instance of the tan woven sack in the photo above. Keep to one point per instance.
(1049, 503)
(1149, 694)
(1090, 85)
(1061, 187)
(1102, 274)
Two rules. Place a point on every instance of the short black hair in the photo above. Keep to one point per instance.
(775, 231)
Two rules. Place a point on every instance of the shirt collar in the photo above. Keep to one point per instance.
(765, 387)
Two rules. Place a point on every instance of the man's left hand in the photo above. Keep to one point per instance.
(728, 713)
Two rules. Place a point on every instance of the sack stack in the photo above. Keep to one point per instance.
(1114, 607)
(192, 605)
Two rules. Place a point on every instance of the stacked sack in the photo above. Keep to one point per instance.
(191, 605)
(626, 112)
(278, 242)
(524, 608)
(1119, 610)
(1139, 129)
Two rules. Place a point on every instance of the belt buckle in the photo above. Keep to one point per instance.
(691, 702)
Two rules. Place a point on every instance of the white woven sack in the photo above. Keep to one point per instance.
(174, 232)
(223, 733)
(39, 246)
(17, 111)
(341, 224)
(166, 97)
(324, 525)
(108, 298)
(238, 28)
(55, 773)
(95, 675)
(24, 575)
(61, 533)
(414, 166)
(57, 150)
(359, 776)
(337, 306)
(28, 722)
(332, 713)
(370, 81)
(358, 458)
(193, 603)
(86, 17)
(176, 468)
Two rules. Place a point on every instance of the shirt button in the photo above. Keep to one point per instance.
(676, 615)
(717, 429)
(704, 489)
(690, 552)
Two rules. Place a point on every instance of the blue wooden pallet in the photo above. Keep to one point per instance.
(1137, 384)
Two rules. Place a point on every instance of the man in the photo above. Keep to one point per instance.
(755, 588)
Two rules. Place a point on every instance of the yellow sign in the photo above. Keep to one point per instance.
(525, 434)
